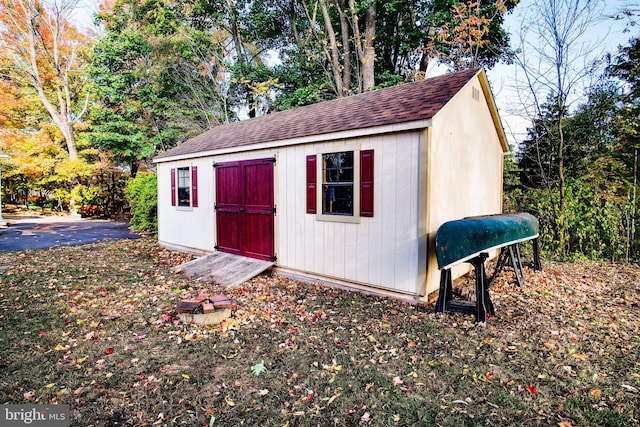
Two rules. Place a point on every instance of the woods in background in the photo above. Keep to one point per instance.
(83, 111)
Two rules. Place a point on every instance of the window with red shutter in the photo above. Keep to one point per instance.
(339, 183)
(184, 187)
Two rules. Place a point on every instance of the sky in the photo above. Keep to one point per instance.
(607, 34)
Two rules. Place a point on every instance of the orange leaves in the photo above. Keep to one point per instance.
(467, 33)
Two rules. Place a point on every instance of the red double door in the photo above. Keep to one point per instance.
(245, 208)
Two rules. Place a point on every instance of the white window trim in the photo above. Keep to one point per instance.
(190, 186)
(355, 218)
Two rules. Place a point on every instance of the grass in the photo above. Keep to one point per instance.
(93, 327)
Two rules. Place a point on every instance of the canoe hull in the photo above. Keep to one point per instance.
(461, 240)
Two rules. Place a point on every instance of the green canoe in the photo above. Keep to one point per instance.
(461, 240)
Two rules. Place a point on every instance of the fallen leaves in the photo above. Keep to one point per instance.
(560, 346)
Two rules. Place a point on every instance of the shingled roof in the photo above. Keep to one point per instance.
(397, 104)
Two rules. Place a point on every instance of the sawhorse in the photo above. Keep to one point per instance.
(483, 305)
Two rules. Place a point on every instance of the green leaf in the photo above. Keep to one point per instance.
(258, 368)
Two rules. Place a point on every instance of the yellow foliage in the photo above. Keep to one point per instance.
(72, 168)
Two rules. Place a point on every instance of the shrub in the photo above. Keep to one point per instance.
(142, 193)
(595, 226)
(83, 195)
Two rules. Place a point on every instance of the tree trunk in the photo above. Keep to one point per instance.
(235, 34)
(292, 22)
(346, 48)
(364, 45)
(238, 45)
(135, 164)
(334, 59)
(62, 114)
(561, 177)
(368, 65)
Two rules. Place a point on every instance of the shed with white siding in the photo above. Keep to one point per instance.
(350, 191)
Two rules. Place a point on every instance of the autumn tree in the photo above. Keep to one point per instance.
(345, 32)
(327, 49)
(470, 33)
(41, 50)
(625, 67)
(155, 79)
(412, 35)
(553, 63)
(247, 32)
(32, 151)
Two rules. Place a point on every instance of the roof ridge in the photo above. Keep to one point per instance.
(401, 103)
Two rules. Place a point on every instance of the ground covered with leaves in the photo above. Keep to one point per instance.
(94, 327)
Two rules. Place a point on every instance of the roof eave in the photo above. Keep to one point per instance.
(491, 103)
(347, 134)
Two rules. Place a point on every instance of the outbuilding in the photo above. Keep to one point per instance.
(349, 191)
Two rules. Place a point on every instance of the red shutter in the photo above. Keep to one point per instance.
(311, 184)
(366, 183)
(194, 186)
(173, 187)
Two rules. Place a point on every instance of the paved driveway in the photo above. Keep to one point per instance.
(40, 232)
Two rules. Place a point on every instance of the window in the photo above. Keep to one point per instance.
(337, 183)
(184, 187)
(346, 181)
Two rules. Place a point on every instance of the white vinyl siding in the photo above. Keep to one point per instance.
(377, 251)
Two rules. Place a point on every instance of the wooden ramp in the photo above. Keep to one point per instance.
(223, 269)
